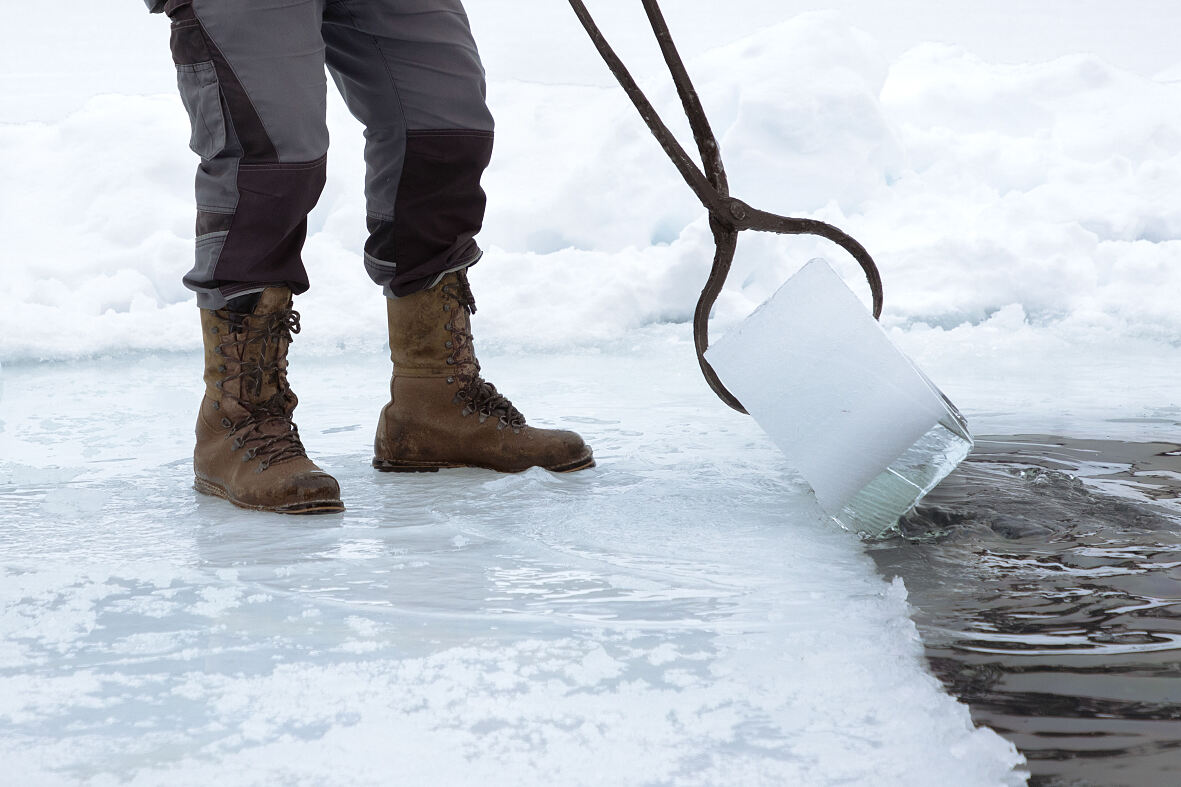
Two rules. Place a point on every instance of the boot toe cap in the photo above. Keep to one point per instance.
(304, 492)
(567, 452)
(312, 491)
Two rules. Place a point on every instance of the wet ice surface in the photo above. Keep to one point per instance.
(680, 614)
(1045, 575)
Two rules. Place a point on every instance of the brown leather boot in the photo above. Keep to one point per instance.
(248, 449)
(441, 412)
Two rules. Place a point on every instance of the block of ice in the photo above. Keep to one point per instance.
(862, 424)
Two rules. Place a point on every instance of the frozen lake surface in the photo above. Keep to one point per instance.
(683, 613)
(680, 614)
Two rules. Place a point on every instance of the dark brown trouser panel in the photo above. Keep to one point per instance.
(437, 212)
(410, 72)
(255, 185)
(252, 79)
(269, 227)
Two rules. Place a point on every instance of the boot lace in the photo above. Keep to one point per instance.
(476, 394)
(266, 430)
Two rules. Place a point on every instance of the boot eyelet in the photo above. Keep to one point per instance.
(215, 330)
(448, 327)
(448, 345)
(450, 380)
(217, 405)
(450, 361)
(221, 368)
(446, 307)
(217, 385)
(226, 423)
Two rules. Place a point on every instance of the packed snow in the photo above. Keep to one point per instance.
(681, 614)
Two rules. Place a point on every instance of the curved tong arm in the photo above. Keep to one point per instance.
(728, 216)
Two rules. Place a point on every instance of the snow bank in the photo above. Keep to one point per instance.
(1049, 187)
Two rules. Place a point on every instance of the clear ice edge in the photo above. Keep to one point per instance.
(875, 510)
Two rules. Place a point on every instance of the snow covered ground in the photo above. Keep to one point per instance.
(680, 614)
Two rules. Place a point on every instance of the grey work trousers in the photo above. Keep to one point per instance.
(251, 75)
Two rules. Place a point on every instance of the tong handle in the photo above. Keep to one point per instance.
(727, 216)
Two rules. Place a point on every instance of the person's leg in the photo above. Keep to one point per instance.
(409, 70)
(252, 78)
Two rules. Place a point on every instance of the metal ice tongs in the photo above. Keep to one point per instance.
(728, 216)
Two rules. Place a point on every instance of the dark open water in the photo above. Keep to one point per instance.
(1046, 577)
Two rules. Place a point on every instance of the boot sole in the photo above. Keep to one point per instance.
(305, 507)
(403, 466)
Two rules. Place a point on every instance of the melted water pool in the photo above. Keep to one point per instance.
(1045, 579)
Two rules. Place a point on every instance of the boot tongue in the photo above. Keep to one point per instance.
(273, 299)
(262, 348)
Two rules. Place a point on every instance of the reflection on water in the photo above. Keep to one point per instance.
(1044, 573)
